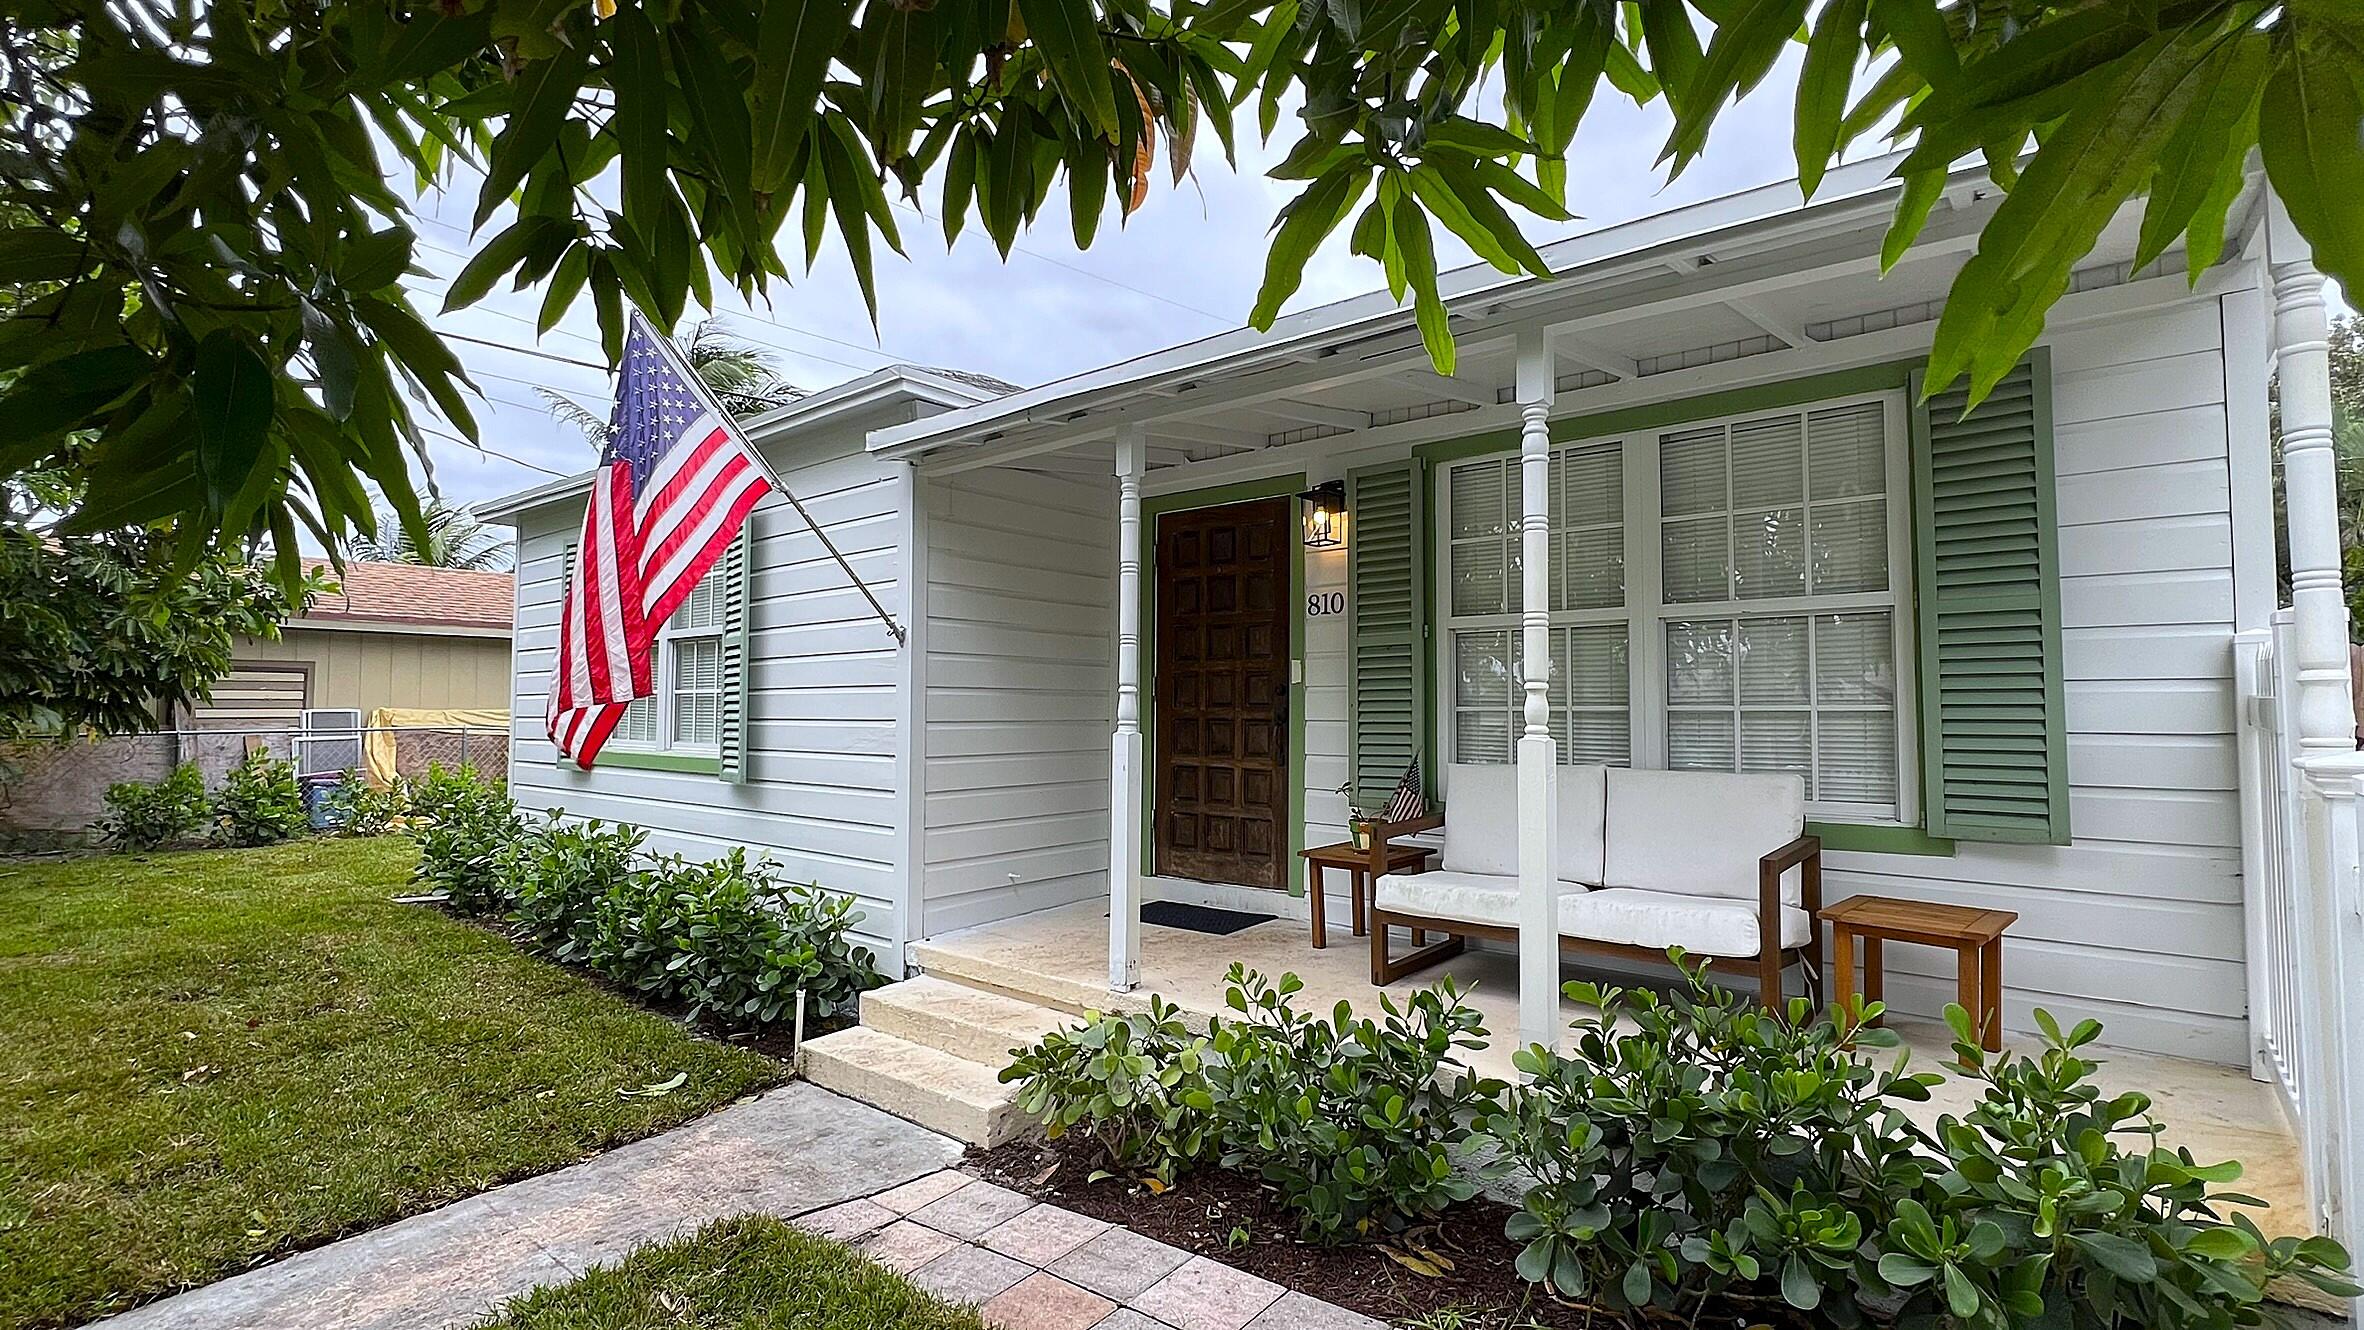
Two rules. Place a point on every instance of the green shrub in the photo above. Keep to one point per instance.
(141, 816)
(259, 803)
(467, 827)
(556, 875)
(1121, 1080)
(1350, 1121)
(358, 808)
(1693, 1146)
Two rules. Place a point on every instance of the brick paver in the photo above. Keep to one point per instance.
(1296, 1311)
(1044, 1234)
(922, 1191)
(1207, 1295)
(974, 1210)
(906, 1246)
(969, 1274)
(1043, 1301)
(1120, 1264)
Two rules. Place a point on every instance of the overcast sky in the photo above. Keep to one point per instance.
(1187, 265)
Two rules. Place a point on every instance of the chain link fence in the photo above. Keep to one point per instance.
(51, 793)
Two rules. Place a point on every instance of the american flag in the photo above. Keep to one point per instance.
(675, 481)
(1408, 801)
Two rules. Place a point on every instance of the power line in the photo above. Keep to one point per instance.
(524, 350)
(492, 452)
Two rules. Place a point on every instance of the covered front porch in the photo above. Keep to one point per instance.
(1055, 958)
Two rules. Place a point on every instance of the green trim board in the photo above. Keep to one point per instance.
(705, 764)
(1216, 496)
(1874, 838)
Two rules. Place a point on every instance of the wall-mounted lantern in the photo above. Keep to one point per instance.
(1325, 516)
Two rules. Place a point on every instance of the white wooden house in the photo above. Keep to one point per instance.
(2033, 661)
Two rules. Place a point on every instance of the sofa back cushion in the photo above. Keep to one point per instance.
(1481, 818)
(1700, 833)
(1584, 812)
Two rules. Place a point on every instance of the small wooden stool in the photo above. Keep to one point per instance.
(1357, 863)
(1976, 937)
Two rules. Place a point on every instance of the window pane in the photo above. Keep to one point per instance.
(1591, 572)
(638, 725)
(1482, 668)
(1851, 546)
(1857, 758)
(1697, 560)
(1854, 659)
(1593, 665)
(1484, 580)
(1596, 738)
(1699, 663)
(1691, 472)
(703, 608)
(1768, 463)
(1699, 740)
(1769, 554)
(1484, 498)
(1850, 456)
(1591, 485)
(1777, 741)
(1481, 736)
(1773, 662)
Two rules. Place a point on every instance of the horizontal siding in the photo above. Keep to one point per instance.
(1021, 641)
(820, 797)
(2138, 921)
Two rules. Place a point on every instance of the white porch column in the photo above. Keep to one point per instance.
(2302, 354)
(1124, 766)
(1538, 754)
(2328, 901)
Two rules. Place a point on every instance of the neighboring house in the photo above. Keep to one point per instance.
(392, 636)
(2001, 651)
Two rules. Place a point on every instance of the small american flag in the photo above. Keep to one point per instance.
(1408, 801)
(676, 480)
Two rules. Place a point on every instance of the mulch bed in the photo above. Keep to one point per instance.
(1231, 1218)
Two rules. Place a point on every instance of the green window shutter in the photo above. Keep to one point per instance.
(733, 569)
(1387, 607)
(1994, 738)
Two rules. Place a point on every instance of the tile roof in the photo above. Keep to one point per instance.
(401, 593)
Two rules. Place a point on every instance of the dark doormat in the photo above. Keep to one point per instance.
(1200, 918)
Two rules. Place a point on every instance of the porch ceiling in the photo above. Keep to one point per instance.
(1770, 283)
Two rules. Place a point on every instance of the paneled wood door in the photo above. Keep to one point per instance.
(1222, 757)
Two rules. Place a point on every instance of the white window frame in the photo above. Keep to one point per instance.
(1646, 611)
(667, 666)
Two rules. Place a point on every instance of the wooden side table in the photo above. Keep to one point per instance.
(1976, 937)
(1357, 863)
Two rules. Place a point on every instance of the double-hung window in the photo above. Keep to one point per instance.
(1726, 595)
(685, 715)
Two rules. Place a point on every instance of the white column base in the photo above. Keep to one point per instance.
(1124, 863)
(1539, 924)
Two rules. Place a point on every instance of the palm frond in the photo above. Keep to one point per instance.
(454, 539)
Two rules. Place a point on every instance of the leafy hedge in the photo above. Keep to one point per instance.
(726, 937)
(259, 804)
(1693, 1152)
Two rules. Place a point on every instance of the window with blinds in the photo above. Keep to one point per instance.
(686, 712)
(1745, 617)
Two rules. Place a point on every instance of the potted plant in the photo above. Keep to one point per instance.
(1358, 818)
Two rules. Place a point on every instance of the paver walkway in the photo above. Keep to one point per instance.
(825, 1162)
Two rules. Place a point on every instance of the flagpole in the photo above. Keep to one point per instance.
(698, 386)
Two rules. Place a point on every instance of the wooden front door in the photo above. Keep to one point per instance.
(1222, 763)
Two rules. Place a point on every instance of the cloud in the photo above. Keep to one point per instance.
(1186, 266)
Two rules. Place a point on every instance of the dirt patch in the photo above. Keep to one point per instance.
(1231, 1218)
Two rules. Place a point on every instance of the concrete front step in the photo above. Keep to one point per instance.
(973, 1023)
(1074, 996)
(929, 1086)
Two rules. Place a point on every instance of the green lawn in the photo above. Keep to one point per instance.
(751, 1273)
(211, 1059)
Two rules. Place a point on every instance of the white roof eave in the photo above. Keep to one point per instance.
(1847, 193)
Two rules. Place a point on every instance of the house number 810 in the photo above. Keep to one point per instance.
(1322, 604)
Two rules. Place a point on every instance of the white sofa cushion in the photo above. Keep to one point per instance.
(1469, 898)
(1700, 833)
(1656, 920)
(1583, 828)
(1482, 819)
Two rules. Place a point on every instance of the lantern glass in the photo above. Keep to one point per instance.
(1325, 516)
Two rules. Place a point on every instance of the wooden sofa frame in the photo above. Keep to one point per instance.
(1770, 963)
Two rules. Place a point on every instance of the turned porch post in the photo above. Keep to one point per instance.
(1124, 768)
(1538, 754)
(2302, 355)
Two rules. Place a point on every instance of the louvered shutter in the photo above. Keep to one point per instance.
(1993, 723)
(733, 575)
(1387, 585)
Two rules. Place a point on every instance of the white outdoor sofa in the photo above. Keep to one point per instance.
(1647, 860)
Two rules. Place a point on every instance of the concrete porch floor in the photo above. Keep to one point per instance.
(1059, 957)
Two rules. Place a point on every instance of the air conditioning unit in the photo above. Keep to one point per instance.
(328, 740)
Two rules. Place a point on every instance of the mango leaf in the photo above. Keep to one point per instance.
(542, 95)
(233, 391)
(1299, 231)
(793, 48)
(497, 256)
(637, 75)
(1063, 31)
(2207, 146)
(1408, 227)
(1742, 52)
(1824, 80)
(2311, 129)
